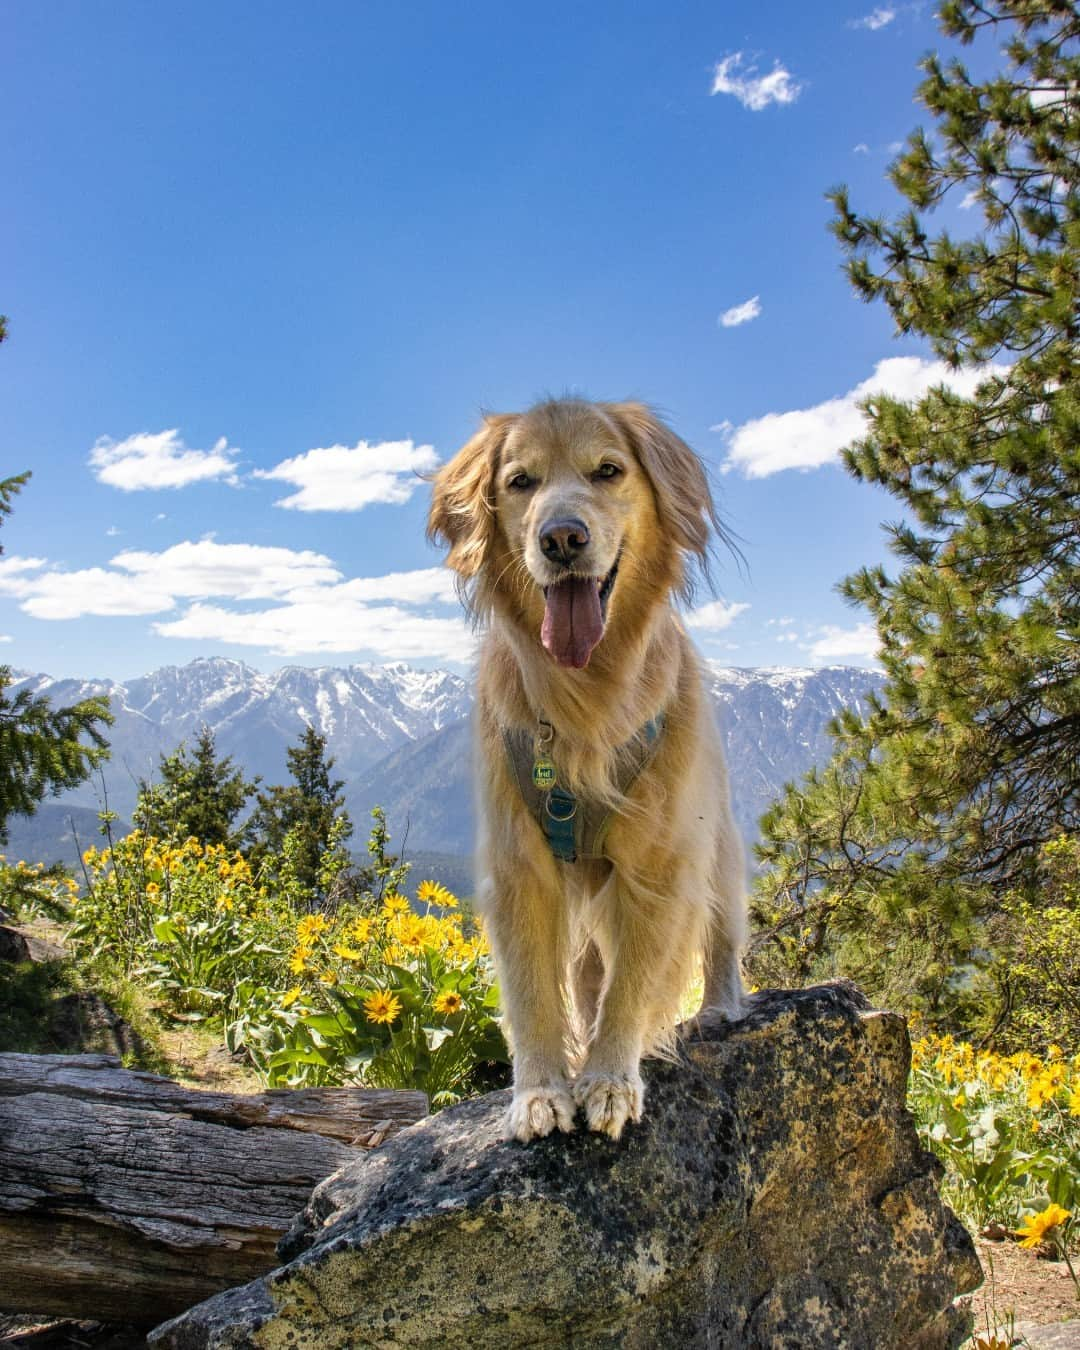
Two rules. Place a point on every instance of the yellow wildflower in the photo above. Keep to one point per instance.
(310, 926)
(1036, 1226)
(379, 1007)
(410, 933)
(290, 997)
(298, 960)
(448, 1002)
(361, 929)
(395, 904)
(349, 953)
(152, 889)
(433, 893)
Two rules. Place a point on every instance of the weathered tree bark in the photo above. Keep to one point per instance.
(126, 1197)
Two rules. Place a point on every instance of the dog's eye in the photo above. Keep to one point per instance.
(520, 482)
(607, 470)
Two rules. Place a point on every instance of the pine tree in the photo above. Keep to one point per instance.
(198, 795)
(306, 816)
(43, 750)
(968, 763)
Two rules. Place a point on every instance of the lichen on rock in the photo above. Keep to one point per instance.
(774, 1195)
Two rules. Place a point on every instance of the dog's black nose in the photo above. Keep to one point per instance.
(562, 540)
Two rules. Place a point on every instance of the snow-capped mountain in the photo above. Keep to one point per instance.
(364, 712)
(775, 726)
(399, 735)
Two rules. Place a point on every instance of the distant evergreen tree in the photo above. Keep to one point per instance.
(43, 750)
(308, 815)
(198, 794)
(944, 794)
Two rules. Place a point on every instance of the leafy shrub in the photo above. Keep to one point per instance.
(189, 917)
(365, 991)
(383, 996)
(32, 890)
(1039, 936)
(1007, 1128)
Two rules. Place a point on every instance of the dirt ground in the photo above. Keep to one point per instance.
(199, 1060)
(1021, 1287)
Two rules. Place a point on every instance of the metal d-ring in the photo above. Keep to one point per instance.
(570, 814)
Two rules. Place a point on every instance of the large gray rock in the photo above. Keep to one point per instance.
(775, 1194)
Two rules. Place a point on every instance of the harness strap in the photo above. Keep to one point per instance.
(574, 827)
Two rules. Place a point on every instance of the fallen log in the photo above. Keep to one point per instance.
(126, 1197)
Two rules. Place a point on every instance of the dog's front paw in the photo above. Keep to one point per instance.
(536, 1111)
(609, 1100)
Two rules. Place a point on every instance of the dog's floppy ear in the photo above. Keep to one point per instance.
(462, 514)
(683, 497)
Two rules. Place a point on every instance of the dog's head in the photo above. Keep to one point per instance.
(573, 513)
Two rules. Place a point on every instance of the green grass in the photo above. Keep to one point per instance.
(31, 993)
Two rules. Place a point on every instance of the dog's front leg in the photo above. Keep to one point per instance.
(609, 1088)
(526, 923)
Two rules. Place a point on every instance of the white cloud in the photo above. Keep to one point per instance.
(150, 583)
(969, 199)
(316, 609)
(1046, 92)
(327, 623)
(112, 531)
(714, 616)
(876, 19)
(744, 313)
(243, 571)
(810, 437)
(13, 580)
(343, 478)
(842, 644)
(6, 637)
(779, 623)
(426, 585)
(152, 460)
(754, 91)
(93, 590)
(862, 149)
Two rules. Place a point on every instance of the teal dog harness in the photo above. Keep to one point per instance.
(574, 827)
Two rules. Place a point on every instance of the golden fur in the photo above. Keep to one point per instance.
(594, 957)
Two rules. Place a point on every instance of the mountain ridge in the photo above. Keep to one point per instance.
(399, 734)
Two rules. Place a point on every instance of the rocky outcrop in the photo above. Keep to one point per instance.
(775, 1194)
(22, 944)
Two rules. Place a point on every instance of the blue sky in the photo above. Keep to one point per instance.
(262, 261)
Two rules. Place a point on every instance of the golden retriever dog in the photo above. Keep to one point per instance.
(609, 866)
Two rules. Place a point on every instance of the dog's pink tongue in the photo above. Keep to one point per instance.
(573, 623)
